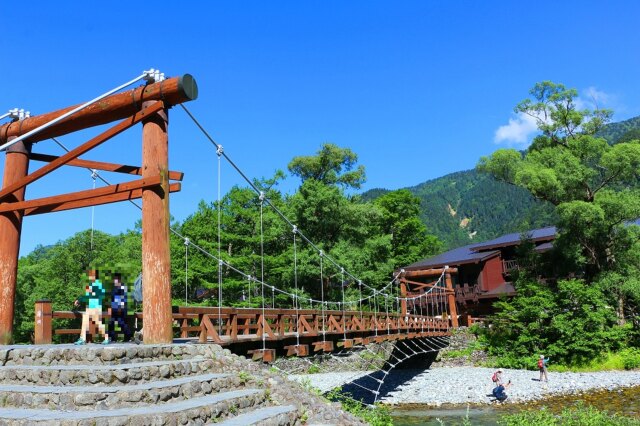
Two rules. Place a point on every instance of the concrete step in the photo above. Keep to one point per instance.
(193, 411)
(97, 354)
(104, 397)
(280, 415)
(139, 372)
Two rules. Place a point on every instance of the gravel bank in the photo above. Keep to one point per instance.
(466, 385)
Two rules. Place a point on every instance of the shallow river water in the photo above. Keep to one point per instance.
(625, 402)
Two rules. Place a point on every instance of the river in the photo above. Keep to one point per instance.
(624, 401)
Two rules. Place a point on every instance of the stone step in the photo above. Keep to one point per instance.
(139, 372)
(193, 411)
(102, 397)
(280, 415)
(97, 354)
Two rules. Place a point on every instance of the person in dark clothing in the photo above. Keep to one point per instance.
(118, 310)
(499, 392)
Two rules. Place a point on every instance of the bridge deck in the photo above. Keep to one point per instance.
(296, 332)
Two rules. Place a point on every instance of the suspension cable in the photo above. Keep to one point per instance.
(186, 271)
(324, 336)
(150, 75)
(94, 174)
(296, 301)
(264, 319)
(219, 151)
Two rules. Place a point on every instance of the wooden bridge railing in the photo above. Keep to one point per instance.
(230, 325)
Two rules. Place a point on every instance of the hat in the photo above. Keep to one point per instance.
(541, 356)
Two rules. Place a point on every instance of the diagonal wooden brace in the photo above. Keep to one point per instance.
(85, 147)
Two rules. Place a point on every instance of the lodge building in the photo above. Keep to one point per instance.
(483, 270)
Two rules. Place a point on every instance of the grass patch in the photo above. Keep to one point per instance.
(576, 416)
(313, 369)
(378, 415)
(627, 359)
(463, 353)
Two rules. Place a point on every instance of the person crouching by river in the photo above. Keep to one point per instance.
(496, 378)
(499, 392)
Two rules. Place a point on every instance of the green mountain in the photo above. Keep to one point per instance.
(621, 131)
(467, 206)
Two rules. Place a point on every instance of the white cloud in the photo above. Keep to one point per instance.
(522, 127)
(592, 98)
(518, 131)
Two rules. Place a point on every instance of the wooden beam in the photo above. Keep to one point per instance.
(80, 195)
(298, 350)
(172, 91)
(133, 194)
(452, 300)
(266, 355)
(428, 272)
(419, 285)
(74, 153)
(99, 165)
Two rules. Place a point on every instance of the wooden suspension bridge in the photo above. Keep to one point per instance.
(262, 332)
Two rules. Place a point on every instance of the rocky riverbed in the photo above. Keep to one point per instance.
(465, 385)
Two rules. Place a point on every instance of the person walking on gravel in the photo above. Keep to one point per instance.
(542, 366)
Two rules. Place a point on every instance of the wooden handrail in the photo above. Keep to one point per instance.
(230, 325)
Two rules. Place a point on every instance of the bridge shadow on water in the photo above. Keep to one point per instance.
(388, 379)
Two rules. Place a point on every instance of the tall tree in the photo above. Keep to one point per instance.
(590, 181)
(331, 165)
(410, 240)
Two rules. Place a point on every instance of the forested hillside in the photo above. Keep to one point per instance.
(468, 206)
(621, 131)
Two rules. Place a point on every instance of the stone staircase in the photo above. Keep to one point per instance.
(123, 384)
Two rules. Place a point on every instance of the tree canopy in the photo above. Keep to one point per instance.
(331, 165)
(370, 240)
(592, 183)
(594, 188)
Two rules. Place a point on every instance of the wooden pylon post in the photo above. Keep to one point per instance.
(403, 295)
(16, 167)
(156, 262)
(451, 298)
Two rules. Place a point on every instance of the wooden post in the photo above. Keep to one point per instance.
(403, 302)
(16, 167)
(156, 262)
(452, 299)
(43, 322)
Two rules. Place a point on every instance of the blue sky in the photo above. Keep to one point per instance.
(417, 89)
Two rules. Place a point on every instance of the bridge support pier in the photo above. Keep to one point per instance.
(156, 262)
(16, 167)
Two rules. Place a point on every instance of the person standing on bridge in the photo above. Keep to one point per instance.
(118, 310)
(93, 297)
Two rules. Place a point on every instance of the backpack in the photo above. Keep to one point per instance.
(540, 363)
(494, 378)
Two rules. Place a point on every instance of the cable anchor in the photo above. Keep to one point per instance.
(153, 76)
(18, 114)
